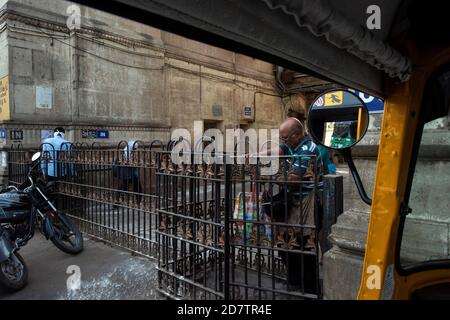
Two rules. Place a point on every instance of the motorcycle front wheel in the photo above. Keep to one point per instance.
(13, 273)
(67, 237)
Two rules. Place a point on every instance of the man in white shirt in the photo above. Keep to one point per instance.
(51, 168)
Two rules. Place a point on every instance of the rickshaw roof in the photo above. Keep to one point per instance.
(330, 39)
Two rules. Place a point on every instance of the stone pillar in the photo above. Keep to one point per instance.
(332, 206)
(343, 263)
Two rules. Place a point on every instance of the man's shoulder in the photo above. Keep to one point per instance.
(56, 142)
(323, 150)
(307, 146)
(55, 139)
(48, 140)
(64, 144)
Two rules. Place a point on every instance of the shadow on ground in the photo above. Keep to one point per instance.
(107, 273)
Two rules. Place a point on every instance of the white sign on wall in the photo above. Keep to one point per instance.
(44, 97)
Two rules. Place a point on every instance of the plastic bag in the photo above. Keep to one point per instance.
(250, 231)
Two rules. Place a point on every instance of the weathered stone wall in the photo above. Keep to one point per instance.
(133, 80)
(116, 75)
(4, 56)
(129, 91)
(36, 63)
(427, 228)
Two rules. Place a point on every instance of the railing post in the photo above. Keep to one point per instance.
(227, 214)
(333, 200)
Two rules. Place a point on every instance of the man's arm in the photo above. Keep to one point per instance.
(310, 152)
(301, 162)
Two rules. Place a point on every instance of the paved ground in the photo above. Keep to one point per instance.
(107, 273)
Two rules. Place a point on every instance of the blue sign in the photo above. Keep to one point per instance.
(2, 134)
(102, 134)
(374, 105)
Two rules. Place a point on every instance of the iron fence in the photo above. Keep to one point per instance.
(218, 231)
(109, 192)
(19, 161)
(228, 232)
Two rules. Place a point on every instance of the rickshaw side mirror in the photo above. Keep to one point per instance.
(338, 119)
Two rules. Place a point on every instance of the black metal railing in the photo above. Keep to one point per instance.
(218, 231)
(228, 232)
(109, 192)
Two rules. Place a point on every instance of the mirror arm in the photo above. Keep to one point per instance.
(347, 154)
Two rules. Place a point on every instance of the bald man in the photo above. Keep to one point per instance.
(295, 143)
(291, 132)
(294, 204)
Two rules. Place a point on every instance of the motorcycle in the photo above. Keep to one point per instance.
(21, 210)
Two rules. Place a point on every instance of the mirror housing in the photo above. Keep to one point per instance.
(338, 119)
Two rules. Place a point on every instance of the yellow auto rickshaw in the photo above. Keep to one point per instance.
(396, 50)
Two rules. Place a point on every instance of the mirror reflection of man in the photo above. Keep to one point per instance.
(294, 204)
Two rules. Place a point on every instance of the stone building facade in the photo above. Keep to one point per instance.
(111, 79)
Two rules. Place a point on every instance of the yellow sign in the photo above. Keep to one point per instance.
(335, 98)
(4, 99)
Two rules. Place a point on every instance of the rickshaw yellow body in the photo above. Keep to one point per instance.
(400, 119)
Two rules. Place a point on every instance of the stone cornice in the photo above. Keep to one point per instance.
(9, 14)
(54, 26)
(39, 126)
